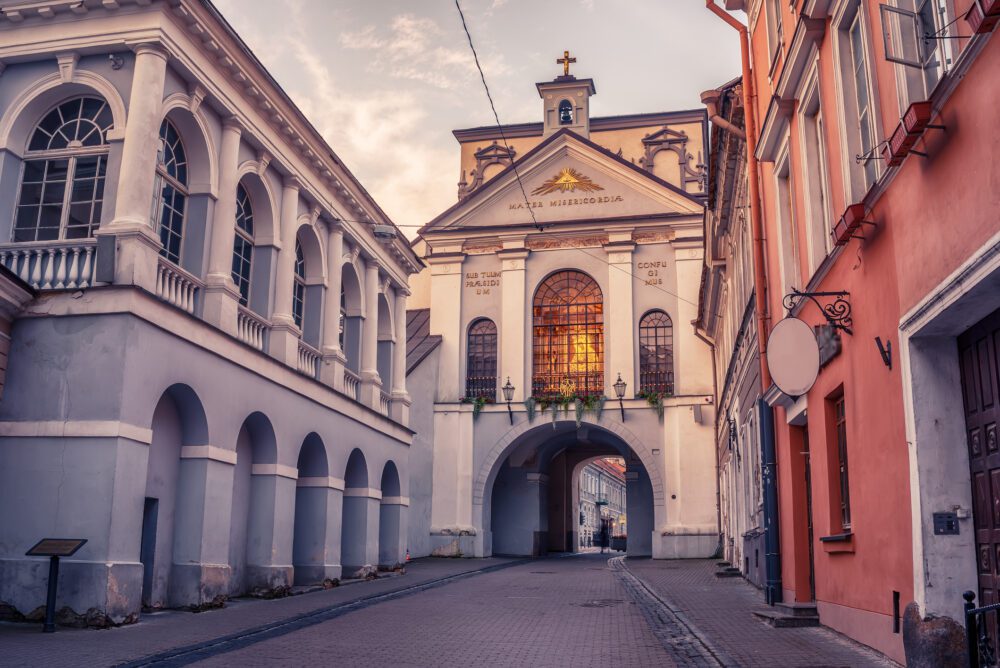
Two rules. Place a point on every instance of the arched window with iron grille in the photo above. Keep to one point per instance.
(568, 336)
(656, 353)
(481, 360)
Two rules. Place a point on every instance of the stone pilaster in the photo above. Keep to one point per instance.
(332, 369)
(221, 297)
(284, 338)
(446, 314)
(269, 540)
(620, 320)
(371, 383)
(512, 324)
(400, 407)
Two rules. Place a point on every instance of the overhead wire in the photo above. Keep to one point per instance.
(517, 175)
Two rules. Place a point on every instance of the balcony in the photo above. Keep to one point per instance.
(52, 265)
(384, 402)
(308, 361)
(352, 384)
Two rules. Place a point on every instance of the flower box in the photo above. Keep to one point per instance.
(990, 7)
(980, 22)
(917, 117)
(844, 229)
(900, 143)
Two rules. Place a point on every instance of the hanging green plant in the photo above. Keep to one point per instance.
(529, 407)
(579, 407)
(599, 407)
(655, 400)
(555, 414)
(477, 406)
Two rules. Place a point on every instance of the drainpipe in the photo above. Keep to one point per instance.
(710, 98)
(769, 474)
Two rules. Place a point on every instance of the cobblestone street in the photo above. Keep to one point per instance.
(576, 611)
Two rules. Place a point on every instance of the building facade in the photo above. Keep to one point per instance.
(570, 263)
(726, 318)
(209, 383)
(602, 500)
(876, 143)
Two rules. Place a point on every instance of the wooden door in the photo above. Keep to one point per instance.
(977, 349)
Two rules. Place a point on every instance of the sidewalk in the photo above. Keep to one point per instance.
(26, 645)
(720, 609)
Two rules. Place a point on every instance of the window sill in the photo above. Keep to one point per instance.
(838, 543)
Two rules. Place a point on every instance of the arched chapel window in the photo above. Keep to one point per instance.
(243, 243)
(171, 191)
(299, 294)
(481, 361)
(568, 336)
(656, 353)
(565, 113)
(62, 184)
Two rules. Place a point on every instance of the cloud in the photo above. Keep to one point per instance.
(411, 48)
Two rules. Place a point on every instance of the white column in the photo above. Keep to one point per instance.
(371, 384)
(332, 370)
(619, 323)
(142, 138)
(512, 324)
(221, 295)
(284, 338)
(399, 347)
(399, 410)
(136, 243)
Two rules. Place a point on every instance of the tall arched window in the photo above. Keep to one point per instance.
(171, 191)
(568, 335)
(656, 353)
(481, 360)
(62, 186)
(299, 294)
(243, 243)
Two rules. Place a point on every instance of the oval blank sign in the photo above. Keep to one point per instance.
(793, 356)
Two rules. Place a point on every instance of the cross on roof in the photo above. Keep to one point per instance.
(565, 61)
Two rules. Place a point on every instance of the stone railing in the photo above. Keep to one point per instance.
(384, 402)
(352, 384)
(251, 328)
(52, 265)
(309, 359)
(176, 286)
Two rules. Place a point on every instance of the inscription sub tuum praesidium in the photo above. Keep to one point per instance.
(482, 282)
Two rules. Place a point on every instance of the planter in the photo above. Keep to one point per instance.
(917, 117)
(991, 7)
(980, 22)
(898, 146)
(844, 229)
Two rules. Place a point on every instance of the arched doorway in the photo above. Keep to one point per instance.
(361, 513)
(531, 499)
(255, 444)
(391, 520)
(170, 530)
(311, 513)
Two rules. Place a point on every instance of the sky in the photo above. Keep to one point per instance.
(386, 81)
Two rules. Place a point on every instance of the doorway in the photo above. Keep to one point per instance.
(147, 548)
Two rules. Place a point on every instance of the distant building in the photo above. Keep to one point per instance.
(602, 497)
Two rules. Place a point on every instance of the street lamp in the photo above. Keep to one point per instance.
(508, 395)
(620, 392)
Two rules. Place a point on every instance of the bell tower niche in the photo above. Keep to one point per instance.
(566, 101)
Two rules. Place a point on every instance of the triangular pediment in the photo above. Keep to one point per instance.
(567, 178)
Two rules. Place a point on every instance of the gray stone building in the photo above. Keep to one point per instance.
(602, 498)
(209, 384)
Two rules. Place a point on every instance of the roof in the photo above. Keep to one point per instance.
(610, 466)
(486, 187)
(419, 341)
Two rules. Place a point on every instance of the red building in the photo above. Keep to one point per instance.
(873, 139)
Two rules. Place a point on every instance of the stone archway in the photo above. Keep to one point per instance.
(525, 495)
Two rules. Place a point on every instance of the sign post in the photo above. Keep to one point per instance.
(54, 548)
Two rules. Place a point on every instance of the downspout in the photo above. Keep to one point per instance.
(772, 544)
(710, 98)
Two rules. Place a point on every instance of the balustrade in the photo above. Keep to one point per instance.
(309, 359)
(352, 384)
(384, 402)
(251, 328)
(52, 265)
(176, 286)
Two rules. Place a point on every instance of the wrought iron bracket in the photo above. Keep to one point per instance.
(837, 312)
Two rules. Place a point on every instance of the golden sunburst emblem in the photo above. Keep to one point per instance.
(567, 180)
